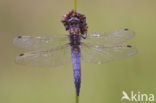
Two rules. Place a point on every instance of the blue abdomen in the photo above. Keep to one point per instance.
(76, 69)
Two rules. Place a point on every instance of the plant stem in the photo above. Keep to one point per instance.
(77, 98)
(75, 4)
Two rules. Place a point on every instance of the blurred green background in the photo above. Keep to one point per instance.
(100, 83)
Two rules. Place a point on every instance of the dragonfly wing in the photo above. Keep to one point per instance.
(45, 58)
(114, 37)
(99, 54)
(39, 42)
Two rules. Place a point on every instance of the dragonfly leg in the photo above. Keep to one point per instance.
(84, 36)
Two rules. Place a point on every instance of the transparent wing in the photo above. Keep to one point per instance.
(45, 58)
(109, 38)
(99, 54)
(40, 42)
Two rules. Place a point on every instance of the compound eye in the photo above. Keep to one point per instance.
(72, 23)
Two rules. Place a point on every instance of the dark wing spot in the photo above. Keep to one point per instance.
(21, 54)
(126, 29)
(19, 37)
(129, 46)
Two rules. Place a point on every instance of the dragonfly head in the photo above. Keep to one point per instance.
(74, 25)
(74, 22)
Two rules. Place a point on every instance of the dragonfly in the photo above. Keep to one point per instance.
(76, 46)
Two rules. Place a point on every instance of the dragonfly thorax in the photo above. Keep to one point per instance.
(74, 30)
(75, 40)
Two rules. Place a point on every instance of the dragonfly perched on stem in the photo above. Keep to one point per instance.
(78, 45)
